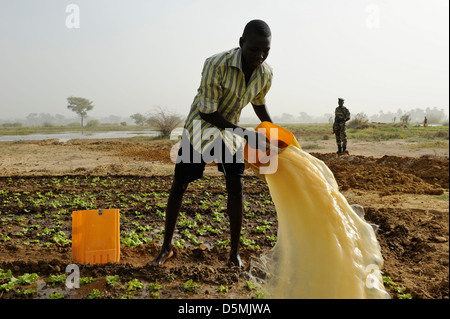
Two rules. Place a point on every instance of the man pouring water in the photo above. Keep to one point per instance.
(230, 81)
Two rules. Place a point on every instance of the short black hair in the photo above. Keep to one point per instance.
(257, 27)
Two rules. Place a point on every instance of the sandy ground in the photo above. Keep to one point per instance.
(37, 157)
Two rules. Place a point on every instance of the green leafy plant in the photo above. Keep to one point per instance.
(9, 285)
(86, 280)
(27, 279)
(190, 285)
(396, 288)
(5, 275)
(179, 243)
(223, 289)
(134, 284)
(272, 239)
(56, 279)
(222, 243)
(250, 285)
(154, 286)
(95, 294)
(112, 280)
(61, 238)
(56, 295)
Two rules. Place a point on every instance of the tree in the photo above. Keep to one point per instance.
(164, 121)
(405, 119)
(80, 106)
(138, 118)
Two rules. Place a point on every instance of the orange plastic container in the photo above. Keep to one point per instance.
(96, 236)
(279, 137)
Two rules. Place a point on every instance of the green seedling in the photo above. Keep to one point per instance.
(396, 288)
(54, 280)
(95, 294)
(56, 295)
(154, 286)
(179, 243)
(5, 275)
(218, 216)
(61, 238)
(9, 285)
(222, 243)
(134, 284)
(26, 292)
(133, 239)
(272, 239)
(86, 280)
(112, 280)
(250, 285)
(223, 289)
(262, 229)
(27, 279)
(246, 242)
(189, 285)
(154, 295)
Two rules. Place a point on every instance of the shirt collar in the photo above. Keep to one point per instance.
(236, 61)
(236, 58)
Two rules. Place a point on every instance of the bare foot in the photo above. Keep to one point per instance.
(162, 257)
(235, 261)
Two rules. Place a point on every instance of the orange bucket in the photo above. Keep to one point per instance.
(96, 236)
(279, 137)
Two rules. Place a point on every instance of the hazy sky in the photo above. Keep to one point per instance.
(130, 55)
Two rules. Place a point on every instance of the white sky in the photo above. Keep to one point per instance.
(130, 55)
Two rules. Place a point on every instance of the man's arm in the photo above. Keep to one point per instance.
(262, 113)
(219, 121)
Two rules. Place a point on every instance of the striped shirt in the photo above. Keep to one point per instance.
(223, 89)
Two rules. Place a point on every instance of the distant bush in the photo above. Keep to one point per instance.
(93, 123)
(361, 121)
(16, 124)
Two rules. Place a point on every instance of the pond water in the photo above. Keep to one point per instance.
(66, 136)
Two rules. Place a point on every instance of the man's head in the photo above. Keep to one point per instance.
(255, 43)
(340, 101)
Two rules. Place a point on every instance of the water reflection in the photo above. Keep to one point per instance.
(66, 136)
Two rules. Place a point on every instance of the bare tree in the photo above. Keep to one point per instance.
(164, 120)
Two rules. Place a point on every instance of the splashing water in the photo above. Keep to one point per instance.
(325, 248)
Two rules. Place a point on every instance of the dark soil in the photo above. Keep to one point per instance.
(414, 239)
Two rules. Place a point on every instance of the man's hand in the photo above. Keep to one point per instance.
(257, 140)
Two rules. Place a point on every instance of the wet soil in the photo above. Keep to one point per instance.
(42, 182)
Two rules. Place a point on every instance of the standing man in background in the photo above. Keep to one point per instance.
(341, 116)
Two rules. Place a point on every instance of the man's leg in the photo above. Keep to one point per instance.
(338, 141)
(234, 210)
(172, 211)
(344, 140)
